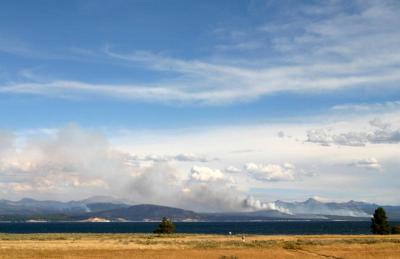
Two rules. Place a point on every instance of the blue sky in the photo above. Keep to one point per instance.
(78, 41)
(323, 75)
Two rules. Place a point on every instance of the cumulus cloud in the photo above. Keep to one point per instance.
(206, 174)
(369, 163)
(381, 133)
(271, 172)
(325, 137)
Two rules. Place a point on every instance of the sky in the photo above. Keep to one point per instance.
(204, 105)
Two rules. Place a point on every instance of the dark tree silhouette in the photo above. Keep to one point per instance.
(165, 227)
(379, 224)
(396, 230)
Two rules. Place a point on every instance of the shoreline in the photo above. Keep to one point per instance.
(197, 221)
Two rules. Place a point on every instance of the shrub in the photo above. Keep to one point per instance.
(165, 227)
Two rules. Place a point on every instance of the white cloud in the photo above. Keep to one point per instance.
(184, 157)
(232, 170)
(206, 174)
(369, 163)
(319, 170)
(381, 133)
(271, 172)
(187, 157)
(372, 107)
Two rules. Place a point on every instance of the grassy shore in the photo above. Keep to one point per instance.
(196, 246)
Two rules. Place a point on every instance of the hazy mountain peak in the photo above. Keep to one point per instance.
(313, 200)
(112, 208)
(102, 199)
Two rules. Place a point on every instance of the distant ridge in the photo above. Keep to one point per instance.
(114, 209)
(148, 212)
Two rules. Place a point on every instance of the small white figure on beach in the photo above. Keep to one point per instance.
(243, 238)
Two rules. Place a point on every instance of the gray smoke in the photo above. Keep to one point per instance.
(73, 163)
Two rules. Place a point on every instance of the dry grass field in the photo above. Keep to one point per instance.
(31, 246)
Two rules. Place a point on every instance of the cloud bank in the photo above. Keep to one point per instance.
(381, 133)
(73, 163)
(369, 163)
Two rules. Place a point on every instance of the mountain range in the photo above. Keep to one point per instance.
(112, 209)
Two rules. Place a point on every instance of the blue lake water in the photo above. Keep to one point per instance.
(267, 228)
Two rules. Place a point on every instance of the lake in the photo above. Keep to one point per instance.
(266, 228)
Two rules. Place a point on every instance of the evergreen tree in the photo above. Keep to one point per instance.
(379, 224)
(165, 227)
